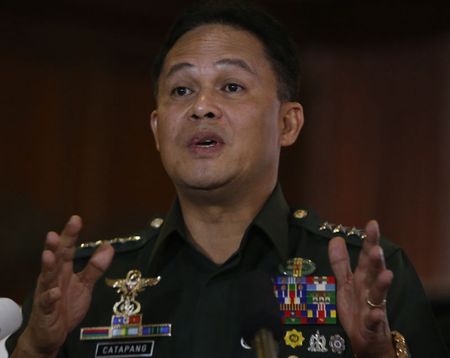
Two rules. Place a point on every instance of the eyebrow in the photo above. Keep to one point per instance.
(178, 67)
(236, 62)
(225, 61)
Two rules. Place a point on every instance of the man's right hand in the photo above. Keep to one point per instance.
(62, 297)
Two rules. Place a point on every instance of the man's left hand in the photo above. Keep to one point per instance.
(361, 295)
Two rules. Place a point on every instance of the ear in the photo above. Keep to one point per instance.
(291, 122)
(154, 125)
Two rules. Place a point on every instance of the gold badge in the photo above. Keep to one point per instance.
(128, 288)
(294, 338)
(297, 267)
(127, 320)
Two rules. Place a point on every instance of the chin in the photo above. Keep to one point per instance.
(203, 183)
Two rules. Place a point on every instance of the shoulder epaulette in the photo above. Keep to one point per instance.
(311, 222)
(122, 244)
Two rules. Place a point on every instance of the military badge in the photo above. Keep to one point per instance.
(306, 300)
(337, 344)
(342, 230)
(298, 267)
(293, 338)
(126, 322)
(317, 343)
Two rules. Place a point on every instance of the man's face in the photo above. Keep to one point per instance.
(219, 121)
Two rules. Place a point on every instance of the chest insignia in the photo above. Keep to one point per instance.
(298, 267)
(126, 321)
(305, 299)
(317, 343)
(125, 350)
(337, 344)
(293, 338)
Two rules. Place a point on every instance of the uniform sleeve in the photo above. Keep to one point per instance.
(409, 311)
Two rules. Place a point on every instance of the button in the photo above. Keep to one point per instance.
(156, 223)
(300, 214)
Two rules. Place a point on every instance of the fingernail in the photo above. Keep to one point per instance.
(73, 218)
(382, 254)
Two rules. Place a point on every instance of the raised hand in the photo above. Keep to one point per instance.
(62, 297)
(361, 295)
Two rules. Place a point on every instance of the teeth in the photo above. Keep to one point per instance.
(207, 143)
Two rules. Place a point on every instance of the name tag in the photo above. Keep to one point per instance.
(125, 349)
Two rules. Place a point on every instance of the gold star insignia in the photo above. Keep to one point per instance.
(326, 226)
(294, 338)
(340, 229)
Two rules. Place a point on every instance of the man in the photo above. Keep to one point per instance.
(226, 86)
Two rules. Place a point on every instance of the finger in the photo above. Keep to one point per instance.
(69, 235)
(376, 321)
(375, 265)
(47, 278)
(55, 245)
(48, 299)
(372, 231)
(52, 241)
(372, 239)
(97, 265)
(50, 262)
(339, 260)
(378, 291)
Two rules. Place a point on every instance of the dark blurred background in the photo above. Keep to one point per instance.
(75, 98)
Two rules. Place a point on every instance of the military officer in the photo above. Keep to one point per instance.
(226, 85)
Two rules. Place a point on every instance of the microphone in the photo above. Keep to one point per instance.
(260, 316)
(10, 317)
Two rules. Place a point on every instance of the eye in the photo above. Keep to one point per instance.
(181, 91)
(232, 87)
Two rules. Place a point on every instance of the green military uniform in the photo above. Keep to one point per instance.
(200, 300)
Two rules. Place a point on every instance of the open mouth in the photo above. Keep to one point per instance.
(206, 141)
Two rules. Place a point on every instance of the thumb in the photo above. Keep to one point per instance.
(97, 265)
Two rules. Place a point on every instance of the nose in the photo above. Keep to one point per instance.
(205, 107)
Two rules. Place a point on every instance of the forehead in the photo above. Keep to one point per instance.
(211, 43)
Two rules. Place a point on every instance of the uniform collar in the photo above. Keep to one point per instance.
(273, 220)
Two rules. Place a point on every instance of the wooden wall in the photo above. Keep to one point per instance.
(75, 99)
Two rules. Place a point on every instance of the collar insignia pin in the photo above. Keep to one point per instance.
(126, 322)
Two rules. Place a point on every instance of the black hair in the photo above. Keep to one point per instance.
(280, 48)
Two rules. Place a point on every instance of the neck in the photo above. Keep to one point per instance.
(216, 220)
